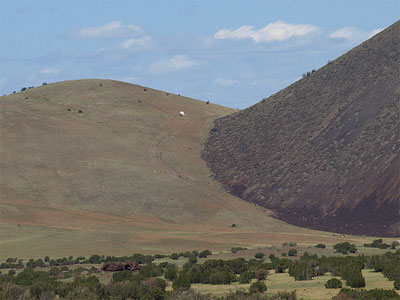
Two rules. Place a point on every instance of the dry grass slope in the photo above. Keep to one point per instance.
(123, 176)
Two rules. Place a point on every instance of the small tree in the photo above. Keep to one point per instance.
(246, 277)
(122, 276)
(292, 252)
(259, 255)
(181, 282)
(261, 274)
(396, 284)
(356, 281)
(205, 253)
(95, 259)
(345, 248)
(394, 245)
(257, 287)
(174, 256)
(171, 272)
(333, 283)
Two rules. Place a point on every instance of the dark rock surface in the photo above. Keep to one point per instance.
(324, 152)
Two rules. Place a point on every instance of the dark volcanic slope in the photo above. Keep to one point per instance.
(324, 152)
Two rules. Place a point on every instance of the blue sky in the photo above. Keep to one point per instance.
(231, 52)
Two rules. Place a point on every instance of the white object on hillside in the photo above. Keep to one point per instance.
(182, 113)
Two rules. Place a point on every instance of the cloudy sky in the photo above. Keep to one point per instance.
(229, 52)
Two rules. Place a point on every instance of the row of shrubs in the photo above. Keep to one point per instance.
(343, 248)
(98, 259)
(381, 245)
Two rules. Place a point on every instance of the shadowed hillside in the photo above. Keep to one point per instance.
(324, 152)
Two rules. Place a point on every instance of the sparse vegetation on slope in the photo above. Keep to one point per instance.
(124, 175)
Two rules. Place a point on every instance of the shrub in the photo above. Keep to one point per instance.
(351, 272)
(236, 249)
(345, 248)
(370, 294)
(257, 287)
(174, 256)
(261, 274)
(54, 271)
(205, 253)
(356, 281)
(271, 256)
(301, 271)
(394, 245)
(95, 259)
(284, 254)
(122, 276)
(152, 288)
(181, 282)
(378, 244)
(333, 283)
(221, 277)
(280, 269)
(322, 246)
(171, 272)
(396, 284)
(259, 255)
(292, 252)
(150, 270)
(246, 277)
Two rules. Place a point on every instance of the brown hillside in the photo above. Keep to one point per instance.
(123, 176)
(324, 152)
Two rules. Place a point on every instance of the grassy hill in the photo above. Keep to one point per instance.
(324, 152)
(123, 176)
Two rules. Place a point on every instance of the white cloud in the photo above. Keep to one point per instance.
(50, 71)
(374, 32)
(277, 31)
(353, 34)
(127, 46)
(264, 82)
(224, 82)
(114, 29)
(174, 63)
(136, 43)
